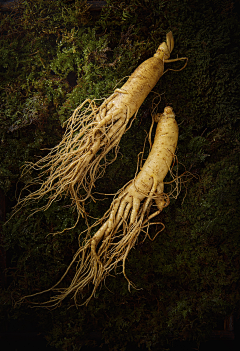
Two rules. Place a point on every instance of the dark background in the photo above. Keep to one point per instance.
(54, 55)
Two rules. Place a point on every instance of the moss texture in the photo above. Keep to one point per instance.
(54, 55)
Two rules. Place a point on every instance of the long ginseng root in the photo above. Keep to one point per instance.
(72, 167)
(127, 216)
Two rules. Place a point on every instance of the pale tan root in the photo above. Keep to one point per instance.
(72, 167)
(102, 253)
(110, 245)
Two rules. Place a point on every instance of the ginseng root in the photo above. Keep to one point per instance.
(126, 218)
(72, 167)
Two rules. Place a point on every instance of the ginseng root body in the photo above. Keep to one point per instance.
(72, 167)
(127, 216)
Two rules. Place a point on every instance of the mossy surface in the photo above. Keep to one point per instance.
(54, 55)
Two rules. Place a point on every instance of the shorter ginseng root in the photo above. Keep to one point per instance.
(128, 215)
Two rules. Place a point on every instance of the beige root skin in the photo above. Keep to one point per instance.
(72, 167)
(126, 218)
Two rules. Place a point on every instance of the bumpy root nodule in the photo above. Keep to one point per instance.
(72, 167)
